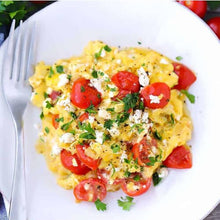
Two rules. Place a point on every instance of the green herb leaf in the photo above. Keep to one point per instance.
(46, 95)
(98, 54)
(72, 132)
(191, 97)
(122, 117)
(87, 135)
(100, 205)
(66, 126)
(157, 135)
(156, 179)
(108, 124)
(139, 42)
(69, 77)
(7, 3)
(59, 119)
(48, 105)
(107, 48)
(106, 137)
(41, 115)
(59, 69)
(127, 173)
(82, 89)
(115, 148)
(47, 130)
(74, 116)
(172, 119)
(213, 5)
(110, 109)
(179, 58)
(95, 74)
(130, 101)
(91, 109)
(137, 178)
(126, 203)
(51, 72)
(141, 105)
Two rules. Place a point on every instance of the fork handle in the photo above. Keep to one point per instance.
(18, 209)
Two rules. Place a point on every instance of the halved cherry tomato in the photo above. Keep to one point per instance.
(90, 190)
(186, 76)
(84, 116)
(142, 150)
(214, 24)
(54, 122)
(75, 166)
(88, 161)
(198, 7)
(180, 158)
(135, 188)
(125, 80)
(83, 95)
(54, 95)
(121, 94)
(160, 90)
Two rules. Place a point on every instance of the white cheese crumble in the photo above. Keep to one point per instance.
(123, 157)
(86, 186)
(154, 99)
(103, 53)
(91, 119)
(139, 117)
(144, 117)
(56, 150)
(99, 136)
(102, 113)
(143, 77)
(118, 61)
(74, 162)
(164, 61)
(45, 101)
(63, 80)
(49, 90)
(97, 83)
(65, 102)
(67, 138)
(114, 130)
(163, 172)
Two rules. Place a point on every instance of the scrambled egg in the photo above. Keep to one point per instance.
(171, 122)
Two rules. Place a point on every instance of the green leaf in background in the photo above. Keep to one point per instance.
(17, 14)
(6, 3)
(213, 5)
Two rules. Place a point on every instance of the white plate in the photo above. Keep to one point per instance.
(64, 28)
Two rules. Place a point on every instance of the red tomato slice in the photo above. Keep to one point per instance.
(180, 158)
(84, 116)
(67, 160)
(125, 80)
(121, 94)
(198, 7)
(142, 150)
(83, 95)
(54, 95)
(90, 190)
(156, 89)
(139, 187)
(54, 122)
(214, 24)
(88, 161)
(186, 76)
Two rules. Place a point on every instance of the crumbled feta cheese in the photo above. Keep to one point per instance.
(163, 172)
(123, 157)
(178, 117)
(97, 83)
(67, 138)
(74, 162)
(118, 61)
(114, 130)
(63, 80)
(91, 119)
(46, 100)
(49, 90)
(99, 136)
(55, 150)
(144, 117)
(65, 102)
(136, 117)
(164, 61)
(111, 94)
(165, 142)
(102, 113)
(86, 186)
(154, 150)
(154, 99)
(143, 77)
(102, 53)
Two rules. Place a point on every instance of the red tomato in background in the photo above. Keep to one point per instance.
(141, 186)
(88, 161)
(214, 24)
(125, 80)
(198, 7)
(156, 89)
(54, 122)
(186, 76)
(180, 158)
(67, 161)
(90, 190)
(83, 95)
(84, 117)
(142, 149)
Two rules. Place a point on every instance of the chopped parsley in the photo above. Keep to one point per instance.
(110, 109)
(47, 130)
(108, 124)
(66, 126)
(172, 119)
(46, 95)
(82, 89)
(59, 69)
(130, 101)
(126, 203)
(154, 160)
(122, 117)
(156, 179)
(72, 132)
(74, 116)
(41, 115)
(95, 74)
(191, 97)
(111, 89)
(90, 134)
(99, 96)
(115, 148)
(87, 136)
(139, 42)
(127, 173)
(100, 205)
(106, 137)
(139, 127)
(157, 135)
(59, 119)
(141, 105)
(179, 58)
(91, 109)
(51, 72)
(48, 104)
(137, 178)
(69, 77)
(107, 48)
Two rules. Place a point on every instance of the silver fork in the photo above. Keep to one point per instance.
(16, 68)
